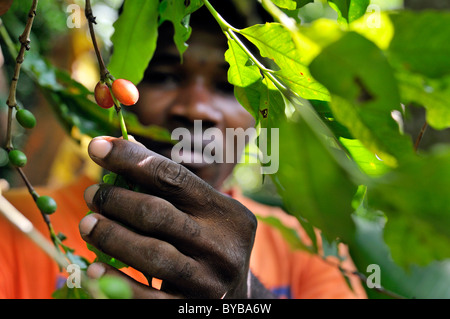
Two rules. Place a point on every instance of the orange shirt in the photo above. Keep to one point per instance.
(28, 273)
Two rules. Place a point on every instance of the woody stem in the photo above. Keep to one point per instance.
(104, 73)
(25, 46)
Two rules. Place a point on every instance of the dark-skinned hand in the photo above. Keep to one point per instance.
(181, 230)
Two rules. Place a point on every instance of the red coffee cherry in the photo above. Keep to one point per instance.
(4, 6)
(103, 95)
(125, 91)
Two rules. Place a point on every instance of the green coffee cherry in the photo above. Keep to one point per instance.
(26, 118)
(17, 158)
(46, 204)
(4, 160)
(115, 287)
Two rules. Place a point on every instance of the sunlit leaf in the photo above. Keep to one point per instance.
(366, 160)
(134, 40)
(275, 43)
(245, 76)
(349, 10)
(286, 4)
(312, 184)
(302, 3)
(364, 95)
(178, 13)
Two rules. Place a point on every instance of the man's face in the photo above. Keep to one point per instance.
(173, 95)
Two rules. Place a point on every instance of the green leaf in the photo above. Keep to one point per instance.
(369, 248)
(415, 199)
(70, 293)
(178, 13)
(289, 234)
(245, 76)
(366, 160)
(249, 97)
(286, 4)
(420, 42)
(105, 258)
(242, 72)
(271, 106)
(430, 94)
(312, 184)
(134, 40)
(275, 43)
(349, 10)
(302, 3)
(259, 96)
(78, 260)
(364, 94)
(323, 109)
(271, 113)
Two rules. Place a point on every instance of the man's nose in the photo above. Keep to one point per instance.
(195, 101)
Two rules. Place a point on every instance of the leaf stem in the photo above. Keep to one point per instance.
(230, 33)
(119, 112)
(284, 19)
(221, 21)
(122, 125)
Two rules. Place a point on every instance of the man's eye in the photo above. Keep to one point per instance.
(225, 87)
(166, 79)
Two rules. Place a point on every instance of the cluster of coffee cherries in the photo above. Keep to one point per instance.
(123, 90)
(17, 158)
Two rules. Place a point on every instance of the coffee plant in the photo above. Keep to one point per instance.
(341, 91)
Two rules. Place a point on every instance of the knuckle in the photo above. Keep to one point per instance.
(143, 210)
(171, 176)
(158, 257)
(155, 215)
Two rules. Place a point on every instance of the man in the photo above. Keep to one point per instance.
(183, 229)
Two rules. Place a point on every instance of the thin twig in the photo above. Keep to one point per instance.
(105, 76)
(34, 195)
(420, 136)
(25, 46)
(24, 40)
(104, 73)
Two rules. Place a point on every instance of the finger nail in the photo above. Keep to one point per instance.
(87, 224)
(99, 147)
(89, 194)
(95, 270)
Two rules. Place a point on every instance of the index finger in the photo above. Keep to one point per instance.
(156, 173)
